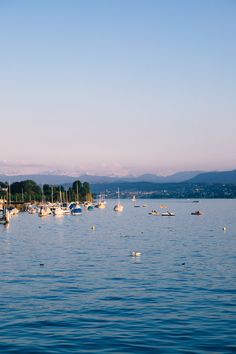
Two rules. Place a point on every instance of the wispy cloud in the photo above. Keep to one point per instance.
(20, 168)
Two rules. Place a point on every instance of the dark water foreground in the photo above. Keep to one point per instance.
(65, 288)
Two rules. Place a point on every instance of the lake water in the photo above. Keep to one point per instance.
(91, 296)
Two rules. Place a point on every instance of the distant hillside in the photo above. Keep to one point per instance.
(58, 179)
(98, 179)
(205, 185)
(225, 177)
(189, 176)
(181, 176)
(148, 177)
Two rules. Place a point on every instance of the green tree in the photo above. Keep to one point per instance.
(86, 187)
(83, 190)
(77, 185)
(26, 190)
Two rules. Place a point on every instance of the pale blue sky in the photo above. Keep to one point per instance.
(118, 86)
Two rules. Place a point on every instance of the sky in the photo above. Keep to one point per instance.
(117, 87)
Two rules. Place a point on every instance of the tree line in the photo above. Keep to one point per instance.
(30, 191)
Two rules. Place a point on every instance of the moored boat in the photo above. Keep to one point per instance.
(154, 212)
(197, 212)
(76, 210)
(5, 216)
(32, 210)
(118, 207)
(168, 213)
(101, 204)
(57, 211)
(88, 206)
(44, 210)
(163, 206)
(12, 210)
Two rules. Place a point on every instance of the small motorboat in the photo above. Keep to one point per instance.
(135, 254)
(167, 213)
(163, 206)
(88, 206)
(197, 212)
(154, 212)
(76, 210)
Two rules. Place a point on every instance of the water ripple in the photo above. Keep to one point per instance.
(65, 289)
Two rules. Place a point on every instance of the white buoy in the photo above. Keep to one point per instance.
(224, 228)
(136, 254)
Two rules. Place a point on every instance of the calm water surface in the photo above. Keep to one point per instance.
(91, 296)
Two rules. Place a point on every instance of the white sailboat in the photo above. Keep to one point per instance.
(32, 209)
(57, 211)
(5, 216)
(101, 202)
(118, 207)
(44, 210)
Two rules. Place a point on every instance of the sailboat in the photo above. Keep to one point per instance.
(5, 216)
(57, 210)
(118, 207)
(76, 208)
(101, 202)
(134, 199)
(44, 209)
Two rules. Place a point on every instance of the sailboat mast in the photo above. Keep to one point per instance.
(66, 196)
(9, 193)
(60, 196)
(77, 192)
(42, 195)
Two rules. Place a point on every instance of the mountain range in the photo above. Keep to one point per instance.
(93, 179)
(148, 177)
(224, 177)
